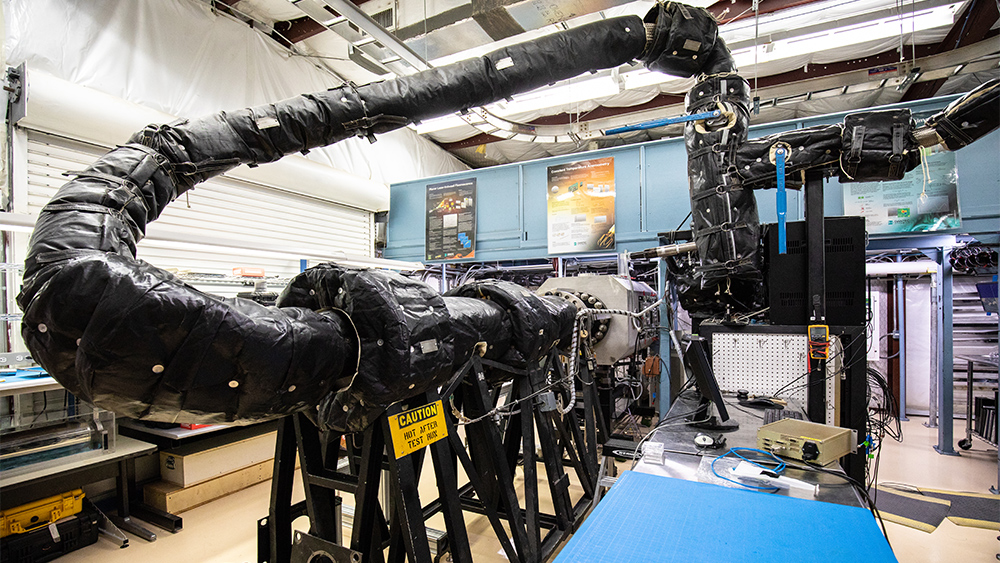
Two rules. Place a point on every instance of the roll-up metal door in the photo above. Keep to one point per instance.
(222, 224)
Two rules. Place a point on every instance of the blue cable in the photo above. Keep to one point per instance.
(736, 452)
(781, 201)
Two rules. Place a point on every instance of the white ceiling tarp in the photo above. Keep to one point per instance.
(183, 59)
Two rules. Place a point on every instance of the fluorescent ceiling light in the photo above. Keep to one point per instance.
(566, 94)
(439, 124)
(644, 78)
(847, 36)
(317, 12)
(542, 98)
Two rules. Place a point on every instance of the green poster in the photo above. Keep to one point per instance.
(926, 199)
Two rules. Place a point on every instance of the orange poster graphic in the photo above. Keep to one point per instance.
(581, 206)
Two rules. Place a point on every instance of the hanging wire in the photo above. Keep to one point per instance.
(756, 34)
(902, 50)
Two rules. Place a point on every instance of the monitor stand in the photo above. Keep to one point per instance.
(713, 423)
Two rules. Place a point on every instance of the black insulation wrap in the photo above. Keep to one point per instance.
(533, 329)
(202, 148)
(474, 321)
(807, 148)
(878, 146)
(970, 117)
(685, 41)
(133, 339)
(403, 325)
(564, 315)
(723, 211)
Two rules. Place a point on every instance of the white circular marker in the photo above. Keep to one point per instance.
(704, 441)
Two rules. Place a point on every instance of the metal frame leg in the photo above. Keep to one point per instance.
(946, 376)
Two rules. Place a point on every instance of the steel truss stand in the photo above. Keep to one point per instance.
(490, 462)
(398, 527)
(559, 437)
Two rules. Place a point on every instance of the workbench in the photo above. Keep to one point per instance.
(682, 459)
(661, 513)
(119, 464)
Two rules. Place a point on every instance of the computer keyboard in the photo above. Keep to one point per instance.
(774, 415)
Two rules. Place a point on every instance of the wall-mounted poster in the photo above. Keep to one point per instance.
(581, 206)
(926, 199)
(451, 220)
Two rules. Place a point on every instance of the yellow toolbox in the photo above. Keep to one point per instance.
(27, 517)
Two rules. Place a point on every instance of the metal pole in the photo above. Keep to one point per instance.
(663, 399)
(901, 329)
(932, 415)
(946, 384)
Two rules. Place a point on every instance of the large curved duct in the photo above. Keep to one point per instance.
(725, 224)
(128, 337)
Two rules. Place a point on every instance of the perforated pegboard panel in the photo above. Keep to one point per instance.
(761, 363)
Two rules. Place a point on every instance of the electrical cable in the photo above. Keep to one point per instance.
(780, 467)
(858, 486)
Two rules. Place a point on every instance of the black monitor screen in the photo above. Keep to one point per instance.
(988, 296)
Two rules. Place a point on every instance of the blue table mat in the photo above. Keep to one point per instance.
(649, 518)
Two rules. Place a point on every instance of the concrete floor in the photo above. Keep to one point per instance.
(915, 462)
(224, 531)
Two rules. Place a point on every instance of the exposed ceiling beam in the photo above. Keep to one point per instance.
(224, 6)
(350, 11)
(437, 21)
(601, 112)
(299, 29)
(972, 26)
(726, 11)
(496, 21)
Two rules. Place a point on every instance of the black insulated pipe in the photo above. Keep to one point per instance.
(129, 337)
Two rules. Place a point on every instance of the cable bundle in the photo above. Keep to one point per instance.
(973, 257)
(882, 421)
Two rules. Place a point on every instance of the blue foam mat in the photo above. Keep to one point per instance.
(648, 518)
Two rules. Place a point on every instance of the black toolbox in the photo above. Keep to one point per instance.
(39, 546)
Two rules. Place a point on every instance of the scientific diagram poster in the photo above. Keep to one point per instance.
(451, 220)
(581, 206)
(924, 200)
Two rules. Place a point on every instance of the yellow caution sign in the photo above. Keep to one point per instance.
(416, 428)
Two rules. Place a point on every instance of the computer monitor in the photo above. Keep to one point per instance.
(696, 357)
(988, 296)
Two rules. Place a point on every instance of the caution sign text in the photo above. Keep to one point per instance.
(416, 428)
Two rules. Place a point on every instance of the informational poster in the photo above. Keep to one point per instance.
(451, 220)
(581, 206)
(926, 199)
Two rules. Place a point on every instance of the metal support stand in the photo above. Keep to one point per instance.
(901, 328)
(932, 415)
(561, 441)
(375, 527)
(946, 377)
(129, 506)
